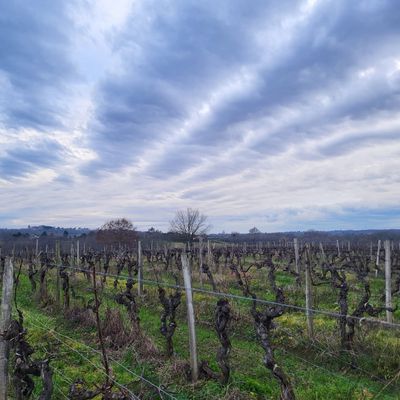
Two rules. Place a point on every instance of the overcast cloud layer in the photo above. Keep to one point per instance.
(280, 114)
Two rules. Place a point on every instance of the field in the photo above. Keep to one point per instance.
(258, 336)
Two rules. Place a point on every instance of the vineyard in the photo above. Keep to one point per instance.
(203, 321)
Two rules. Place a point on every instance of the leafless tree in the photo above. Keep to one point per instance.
(117, 232)
(189, 223)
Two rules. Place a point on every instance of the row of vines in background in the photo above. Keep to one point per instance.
(255, 285)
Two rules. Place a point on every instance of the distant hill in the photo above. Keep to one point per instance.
(360, 236)
(41, 230)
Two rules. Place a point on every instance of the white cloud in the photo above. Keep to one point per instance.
(276, 117)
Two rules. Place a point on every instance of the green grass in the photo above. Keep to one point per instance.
(317, 369)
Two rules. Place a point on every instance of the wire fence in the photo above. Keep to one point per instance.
(58, 335)
(239, 297)
(160, 389)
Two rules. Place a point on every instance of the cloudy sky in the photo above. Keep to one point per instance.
(280, 114)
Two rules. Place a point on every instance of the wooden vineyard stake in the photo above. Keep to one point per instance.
(296, 255)
(77, 254)
(140, 269)
(321, 247)
(191, 320)
(5, 316)
(201, 261)
(58, 265)
(378, 258)
(310, 319)
(388, 281)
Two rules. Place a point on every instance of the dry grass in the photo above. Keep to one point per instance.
(82, 317)
(116, 335)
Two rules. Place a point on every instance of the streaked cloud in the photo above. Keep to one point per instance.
(282, 115)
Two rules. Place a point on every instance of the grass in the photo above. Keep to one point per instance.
(317, 369)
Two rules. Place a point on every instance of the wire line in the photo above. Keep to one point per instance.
(54, 332)
(238, 297)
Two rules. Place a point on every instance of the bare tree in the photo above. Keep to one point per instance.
(117, 231)
(254, 231)
(189, 223)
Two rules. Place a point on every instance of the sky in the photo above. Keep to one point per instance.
(282, 115)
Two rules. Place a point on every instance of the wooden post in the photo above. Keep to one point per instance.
(388, 281)
(378, 253)
(36, 252)
(201, 260)
(140, 268)
(201, 253)
(378, 257)
(58, 263)
(77, 254)
(191, 321)
(6, 299)
(348, 245)
(296, 255)
(165, 250)
(321, 247)
(338, 247)
(310, 320)
(78, 263)
(210, 259)
(370, 253)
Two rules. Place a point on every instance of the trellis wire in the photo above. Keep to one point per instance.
(238, 297)
(99, 368)
(145, 380)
